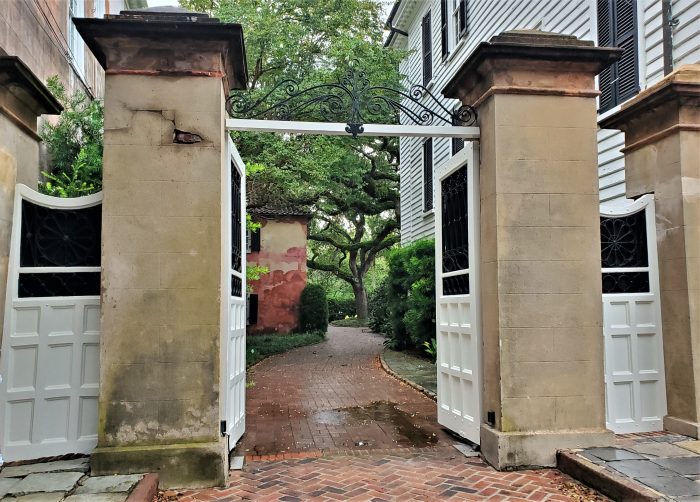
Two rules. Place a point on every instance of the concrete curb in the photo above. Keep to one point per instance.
(615, 486)
(408, 382)
(145, 490)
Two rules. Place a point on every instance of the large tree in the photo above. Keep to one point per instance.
(351, 185)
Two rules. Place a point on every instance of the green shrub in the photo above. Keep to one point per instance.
(379, 318)
(313, 309)
(340, 308)
(261, 346)
(411, 295)
(74, 145)
(350, 322)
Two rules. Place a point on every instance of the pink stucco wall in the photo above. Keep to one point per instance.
(283, 251)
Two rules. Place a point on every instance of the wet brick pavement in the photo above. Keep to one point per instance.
(381, 477)
(310, 406)
(331, 396)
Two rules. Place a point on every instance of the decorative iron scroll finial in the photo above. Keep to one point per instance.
(353, 101)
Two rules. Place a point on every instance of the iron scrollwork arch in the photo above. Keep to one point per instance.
(353, 101)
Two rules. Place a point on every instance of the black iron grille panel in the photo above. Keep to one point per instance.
(626, 282)
(236, 236)
(623, 241)
(60, 237)
(59, 284)
(455, 228)
(455, 285)
(236, 286)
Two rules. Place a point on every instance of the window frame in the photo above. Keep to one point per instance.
(427, 48)
(76, 45)
(428, 175)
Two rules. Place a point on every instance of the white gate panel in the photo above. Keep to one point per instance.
(234, 290)
(634, 364)
(50, 359)
(457, 294)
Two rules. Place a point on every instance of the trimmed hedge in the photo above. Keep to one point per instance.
(313, 309)
(340, 308)
(403, 307)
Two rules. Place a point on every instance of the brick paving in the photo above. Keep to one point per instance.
(330, 396)
(309, 408)
(391, 477)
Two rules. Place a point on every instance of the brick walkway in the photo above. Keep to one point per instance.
(330, 396)
(309, 408)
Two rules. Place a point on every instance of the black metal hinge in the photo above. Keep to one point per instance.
(223, 427)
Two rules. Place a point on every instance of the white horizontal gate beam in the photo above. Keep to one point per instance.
(338, 129)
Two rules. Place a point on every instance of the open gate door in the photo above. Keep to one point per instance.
(635, 388)
(458, 316)
(233, 290)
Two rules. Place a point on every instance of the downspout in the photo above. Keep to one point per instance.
(668, 23)
(389, 24)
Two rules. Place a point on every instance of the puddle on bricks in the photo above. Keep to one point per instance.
(386, 415)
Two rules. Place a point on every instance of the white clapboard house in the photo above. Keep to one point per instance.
(657, 36)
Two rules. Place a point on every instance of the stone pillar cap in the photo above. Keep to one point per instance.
(19, 80)
(167, 41)
(683, 82)
(530, 46)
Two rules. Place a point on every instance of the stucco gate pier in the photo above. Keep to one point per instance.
(165, 155)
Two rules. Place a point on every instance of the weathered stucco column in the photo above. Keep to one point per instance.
(167, 75)
(540, 244)
(662, 156)
(23, 99)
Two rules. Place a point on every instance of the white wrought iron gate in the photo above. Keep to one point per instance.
(50, 359)
(458, 316)
(635, 387)
(233, 288)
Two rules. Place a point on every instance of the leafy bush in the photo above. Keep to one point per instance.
(313, 309)
(411, 295)
(74, 145)
(340, 308)
(261, 346)
(379, 318)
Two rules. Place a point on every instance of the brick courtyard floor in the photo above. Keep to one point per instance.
(325, 422)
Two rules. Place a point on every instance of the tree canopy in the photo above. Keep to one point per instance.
(350, 185)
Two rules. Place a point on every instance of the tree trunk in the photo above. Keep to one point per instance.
(360, 300)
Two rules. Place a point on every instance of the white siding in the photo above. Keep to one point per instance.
(486, 19)
(575, 17)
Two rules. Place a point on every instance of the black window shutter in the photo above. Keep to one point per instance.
(444, 17)
(255, 240)
(462, 18)
(427, 50)
(457, 143)
(428, 174)
(617, 27)
(252, 309)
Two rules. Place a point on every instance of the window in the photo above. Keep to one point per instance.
(427, 50)
(99, 11)
(444, 29)
(617, 27)
(253, 243)
(428, 175)
(459, 15)
(76, 8)
(457, 143)
(252, 309)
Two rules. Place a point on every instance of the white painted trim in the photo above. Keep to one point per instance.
(338, 129)
(56, 270)
(57, 202)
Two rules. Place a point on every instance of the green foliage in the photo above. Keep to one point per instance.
(410, 296)
(341, 307)
(313, 309)
(430, 348)
(350, 185)
(350, 322)
(261, 346)
(74, 145)
(379, 319)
